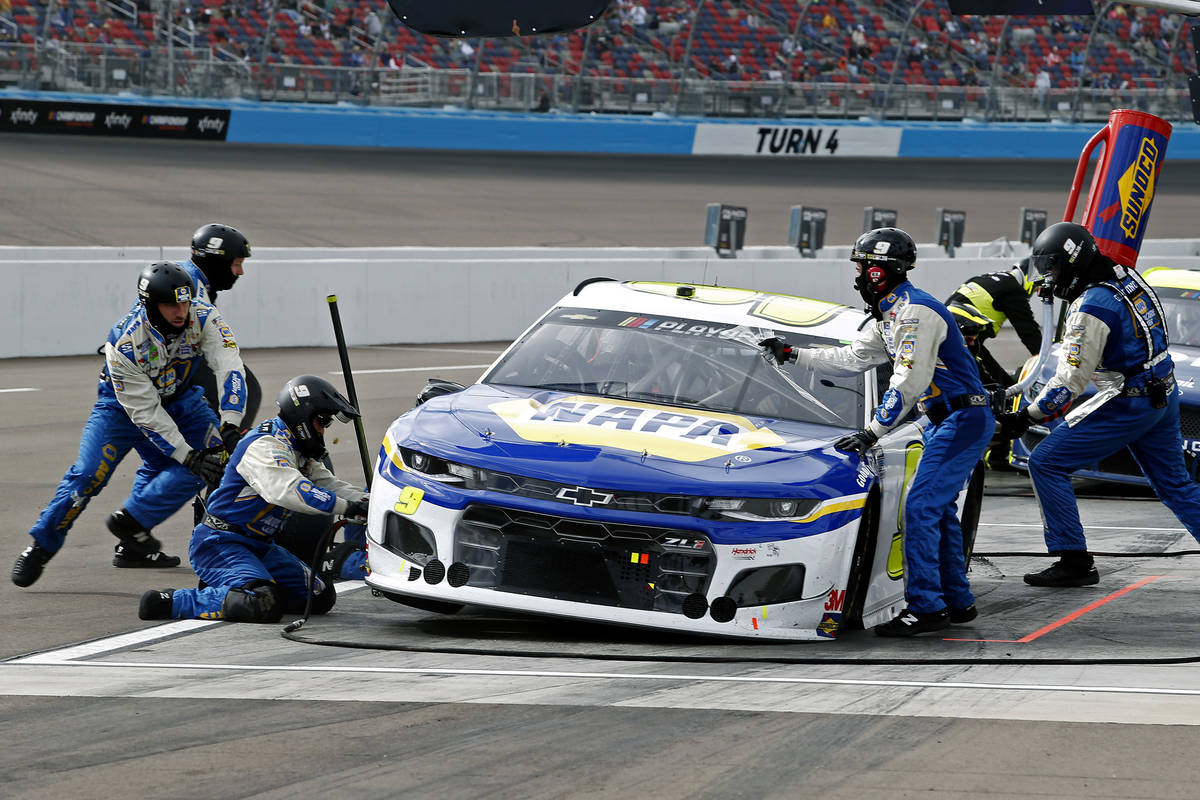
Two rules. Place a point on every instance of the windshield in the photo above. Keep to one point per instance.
(1182, 310)
(677, 362)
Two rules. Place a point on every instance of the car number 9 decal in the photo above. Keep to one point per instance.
(409, 500)
(895, 561)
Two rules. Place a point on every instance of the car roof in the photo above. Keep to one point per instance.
(1172, 278)
(723, 304)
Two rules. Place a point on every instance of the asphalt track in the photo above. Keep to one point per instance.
(60, 190)
(214, 710)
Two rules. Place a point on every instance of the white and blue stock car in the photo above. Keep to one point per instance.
(634, 459)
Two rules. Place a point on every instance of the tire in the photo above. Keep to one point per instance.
(860, 565)
(423, 603)
(970, 511)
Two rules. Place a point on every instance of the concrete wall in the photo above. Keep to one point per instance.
(63, 300)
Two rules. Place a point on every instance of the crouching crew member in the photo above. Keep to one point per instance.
(275, 470)
(147, 402)
(1116, 336)
(930, 365)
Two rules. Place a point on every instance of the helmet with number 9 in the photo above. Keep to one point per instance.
(1063, 253)
(301, 401)
(163, 282)
(884, 257)
(214, 249)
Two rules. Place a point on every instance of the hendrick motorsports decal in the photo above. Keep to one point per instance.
(793, 141)
(682, 435)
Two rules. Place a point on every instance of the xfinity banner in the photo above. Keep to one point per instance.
(795, 141)
(105, 119)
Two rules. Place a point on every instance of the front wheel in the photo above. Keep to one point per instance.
(972, 504)
(860, 566)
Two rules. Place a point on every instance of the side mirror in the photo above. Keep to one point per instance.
(436, 387)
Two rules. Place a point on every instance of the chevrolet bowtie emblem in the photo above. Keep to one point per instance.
(583, 496)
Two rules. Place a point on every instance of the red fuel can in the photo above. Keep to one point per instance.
(1127, 170)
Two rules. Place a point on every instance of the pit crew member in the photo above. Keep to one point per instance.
(980, 307)
(217, 254)
(931, 367)
(275, 470)
(146, 402)
(1116, 336)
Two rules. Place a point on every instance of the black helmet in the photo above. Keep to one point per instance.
(304, 398)
(214, 249)
(164, 282)
(1063, 254)
(886, 255)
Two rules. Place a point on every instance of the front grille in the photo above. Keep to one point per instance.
(628, 566)
(1189, 422)
(570, 494)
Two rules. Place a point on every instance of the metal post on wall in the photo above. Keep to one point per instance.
(51, 7)
(787, 72)
(169, 25)
(887, 92)
(686, 61)
(1087, 52)
(266, 44)
(992, 100)
(583, 58)
(473, 75)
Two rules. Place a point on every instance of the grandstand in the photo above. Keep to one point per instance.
(713, 57)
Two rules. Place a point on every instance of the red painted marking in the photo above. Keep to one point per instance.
(754, 620)
(1074, 615)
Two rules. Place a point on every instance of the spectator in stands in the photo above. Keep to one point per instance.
(1041, 88)
(731, 64)
(372, 26)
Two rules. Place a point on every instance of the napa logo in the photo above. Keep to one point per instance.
(1136, 187)
(678, 434)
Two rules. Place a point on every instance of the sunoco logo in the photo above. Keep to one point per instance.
(116, 120)
(210, 124)
(23, 115)
(1136, 187)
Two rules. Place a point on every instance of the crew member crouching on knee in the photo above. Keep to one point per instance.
(275, 470)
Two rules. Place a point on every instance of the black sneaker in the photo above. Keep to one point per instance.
(961, 616)
(910, 623)
(133, 536)
(1060, 573)
(126, 556)
(156, 604)
(28, 566)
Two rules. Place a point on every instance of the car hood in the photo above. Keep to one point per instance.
(605, 442)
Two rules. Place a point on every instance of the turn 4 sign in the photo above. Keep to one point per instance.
(795, 140)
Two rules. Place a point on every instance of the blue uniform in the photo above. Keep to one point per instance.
(930, 366)
(145, 402)
(265, 481)
(1115, 336)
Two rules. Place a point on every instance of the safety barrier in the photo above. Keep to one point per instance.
(413, 294)
(457, 129)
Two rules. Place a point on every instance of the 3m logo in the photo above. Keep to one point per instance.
(836, 598)
(1136, 187)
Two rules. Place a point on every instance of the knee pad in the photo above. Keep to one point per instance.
(257, 601)
(323, 602)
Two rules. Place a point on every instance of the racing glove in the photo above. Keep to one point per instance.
(778, 349)
(357, 510)
(230, 436)
(1013, 424)
(857, 442)
(207, 464)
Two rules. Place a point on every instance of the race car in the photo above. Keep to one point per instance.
(1179, 291)
(634, 459)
